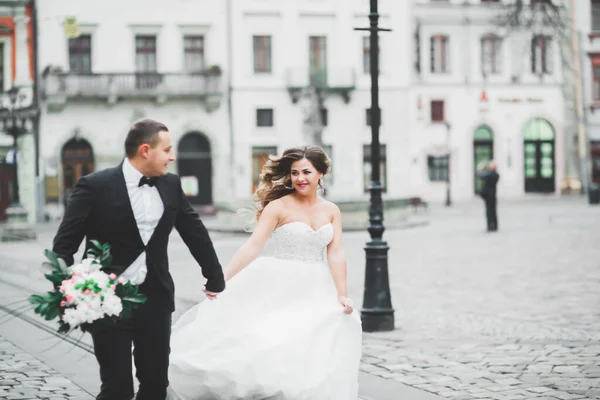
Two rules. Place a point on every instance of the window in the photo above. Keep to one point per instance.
(264, 117)
(367, 167)
(440, 54)
(366, 45)
(324, 116)
(438, 168)
(193, 53)
(145, 62)
(262, 54)
(437, 111)
(596, 77)
(80, 54)
(368, 116)
(260, 155)
(318, 60)
(595, 15)
(541, 55)
(491, 61)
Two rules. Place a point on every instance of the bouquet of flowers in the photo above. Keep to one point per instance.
(84, 294)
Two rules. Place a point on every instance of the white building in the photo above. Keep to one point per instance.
(154, 59)
(141, 62)
(278, 46)
(226, 79)
(588, 25)
(499, 92)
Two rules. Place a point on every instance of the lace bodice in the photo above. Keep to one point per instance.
(299, 242)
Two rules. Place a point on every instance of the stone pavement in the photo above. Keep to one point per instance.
(24, 377)
(511, 315)
(507, 316)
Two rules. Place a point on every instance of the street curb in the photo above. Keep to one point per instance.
(390, 227)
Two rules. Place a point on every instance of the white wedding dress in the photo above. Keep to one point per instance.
(277, 331)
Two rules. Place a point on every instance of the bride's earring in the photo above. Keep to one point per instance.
(321, 186)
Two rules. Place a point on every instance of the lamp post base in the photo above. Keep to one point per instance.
(17, 228)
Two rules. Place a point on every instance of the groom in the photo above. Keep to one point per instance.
(134, 207)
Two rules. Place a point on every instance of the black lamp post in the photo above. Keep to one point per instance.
(14, 127)
(377, 313)
(13, 121)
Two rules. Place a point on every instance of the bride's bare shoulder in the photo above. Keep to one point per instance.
(331, 207)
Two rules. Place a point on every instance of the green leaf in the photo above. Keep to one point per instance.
(140, 299)
(54, 278)
(52, 313)
(36, 299)
(50, 255)
(63, 266)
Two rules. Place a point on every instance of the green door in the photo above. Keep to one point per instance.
(539, 157)
(483, 152)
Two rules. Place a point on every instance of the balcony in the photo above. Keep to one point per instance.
(60, 87)
(339, 81)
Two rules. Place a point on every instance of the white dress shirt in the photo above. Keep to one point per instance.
(147, 209)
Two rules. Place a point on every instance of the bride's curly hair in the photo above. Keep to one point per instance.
(275, 178)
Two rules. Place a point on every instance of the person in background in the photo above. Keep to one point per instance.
(490, 178)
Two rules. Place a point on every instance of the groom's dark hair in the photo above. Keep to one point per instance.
(142, 132)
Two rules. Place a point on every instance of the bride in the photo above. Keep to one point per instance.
(285, 327)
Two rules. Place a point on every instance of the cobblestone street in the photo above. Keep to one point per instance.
(512, 315)
(24, 377)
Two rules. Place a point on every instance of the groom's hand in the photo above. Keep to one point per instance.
(209, 294)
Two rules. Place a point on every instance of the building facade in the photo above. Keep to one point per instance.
(587, 15)
(232, 81)
(481, 93)
(17, 72)
(147, 60)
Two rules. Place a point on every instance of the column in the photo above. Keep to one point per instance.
(22, 76)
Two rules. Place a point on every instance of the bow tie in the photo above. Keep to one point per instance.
(147, 181)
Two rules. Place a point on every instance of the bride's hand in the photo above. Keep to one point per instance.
(347, 304)
(209, 294)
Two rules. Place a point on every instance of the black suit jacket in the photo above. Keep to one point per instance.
(490, 181)
(99, 209)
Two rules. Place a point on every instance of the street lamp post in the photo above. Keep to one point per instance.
(449, 148)
(377, 313)
(14, 121)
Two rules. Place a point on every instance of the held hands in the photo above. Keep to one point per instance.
(210, 295)
(347, 304)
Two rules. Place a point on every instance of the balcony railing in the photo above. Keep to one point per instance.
(132, 85)
(341, 78)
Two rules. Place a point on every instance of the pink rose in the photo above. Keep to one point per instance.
(112, 276)
(73, 280)
(69, 298)
(87, 291)
(113, 287)
(63, 303)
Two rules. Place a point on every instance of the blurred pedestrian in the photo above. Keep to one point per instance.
(490, 179)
